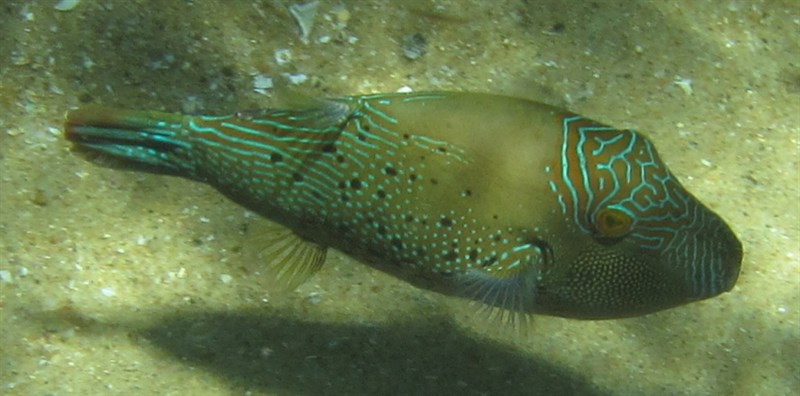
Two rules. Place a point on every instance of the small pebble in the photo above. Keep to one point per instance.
(261, 83)
(225, 278)
(88, 63)
(26, 14)
(314, 298)
(6, 277)
(283, 56)
(66, 5)
(39, 197)
(296, 78)
(108, 292)
(191, 104)
(342, 16)
(685, 84)
(304, 14)
(414, 46)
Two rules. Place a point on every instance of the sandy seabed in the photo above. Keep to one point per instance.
(115, 282)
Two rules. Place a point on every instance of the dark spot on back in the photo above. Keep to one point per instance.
(342, 184)
(434, 181)
(329, 148)
(450, 256)
(409, 218)
(467, 193)
(85, 98)
(340, 158)
(473, 254)
(442, 150)
(381, 194)
(406, 136)
(397, 243)
(382, 230)
(412, 177)
(390, 171)
(355, 184)
(276, 157)
(362, 137)
(445, 222)
(297, 177)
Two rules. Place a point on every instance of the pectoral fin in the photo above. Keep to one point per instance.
(509, 284)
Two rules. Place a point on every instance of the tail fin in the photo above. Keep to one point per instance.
(145, 137)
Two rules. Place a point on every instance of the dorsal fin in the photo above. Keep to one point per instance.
(303, 127)
(321, 112)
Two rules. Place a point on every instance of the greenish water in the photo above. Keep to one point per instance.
(118, 282)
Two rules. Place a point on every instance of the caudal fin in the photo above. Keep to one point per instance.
(146, 137)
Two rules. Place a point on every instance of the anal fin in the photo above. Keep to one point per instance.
(285, 259)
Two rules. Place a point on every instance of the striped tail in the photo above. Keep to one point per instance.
(148, 138)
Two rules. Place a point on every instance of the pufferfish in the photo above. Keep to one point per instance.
(506, 201)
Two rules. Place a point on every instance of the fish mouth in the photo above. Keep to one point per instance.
(735, 254)
(719, 272)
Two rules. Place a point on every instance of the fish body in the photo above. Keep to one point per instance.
(507, 201)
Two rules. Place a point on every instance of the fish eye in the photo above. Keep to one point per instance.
(612, 224)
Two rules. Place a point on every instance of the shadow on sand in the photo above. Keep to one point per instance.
(253, 350)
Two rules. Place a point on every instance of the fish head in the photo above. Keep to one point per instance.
(634, 240)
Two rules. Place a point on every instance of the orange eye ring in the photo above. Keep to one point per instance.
(612, 223)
